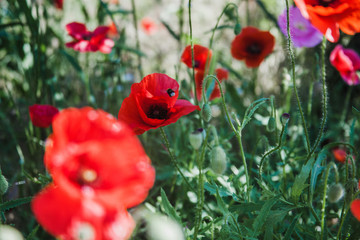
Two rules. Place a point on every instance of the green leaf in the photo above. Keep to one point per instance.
(170, 30)
(299, 183)
(292, 227)
(316, 170)
(31, 235)
(221, 204)
(169, 209)
(223, 192)
(274, 218)
(14, 203)
(264, 212)
(356, 112)
(251, 110)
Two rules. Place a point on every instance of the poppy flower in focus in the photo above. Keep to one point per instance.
(153, 103)
(221, 74)
(148, 25)
(42, 115)
(347, 62)
(355, 209)
(90, 149)
(252, 46)
(71, 217)
(87, 41)
(59, 4)
(330, 15)
(202, 56)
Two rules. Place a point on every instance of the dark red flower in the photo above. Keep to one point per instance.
(86, 41)
(355, 208)
(153, 103)
(90, 150)
(59, 4)
(330, 15)
(71, 217)
(340, 155)
(347, 62)
(202, 56)
(252, 46)
(221, 74)
(42, 115)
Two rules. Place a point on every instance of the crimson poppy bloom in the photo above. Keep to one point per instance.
(153, 103)
(202, 56)
(86, 41)
(347, 62)
(221, 74)
(59, 4)
(355, 208)
(70, 217)
(330, 15)
(42, 115)
(91, 150)
(148, 25)
(340, 155)
(112, 33)
(252, 46)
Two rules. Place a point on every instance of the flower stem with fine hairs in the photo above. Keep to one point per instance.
(133, 6)
(292, 57)
(173, 159)
(192, 54)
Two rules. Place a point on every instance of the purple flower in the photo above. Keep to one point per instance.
(303, 34)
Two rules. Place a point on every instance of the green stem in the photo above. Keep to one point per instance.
(173, 159)
(346, 105)
(192, 54)
(332, 164)
(324, 100)
(133, 6)
(292, 57)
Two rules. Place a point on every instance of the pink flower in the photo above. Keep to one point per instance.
(347, 62)
(148, 25)
(42, 115)
(87, 41)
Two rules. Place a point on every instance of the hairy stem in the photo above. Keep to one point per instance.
(133, 6)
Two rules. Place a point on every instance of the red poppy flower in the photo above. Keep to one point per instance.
(252, 45)
(90, 150)
(221, 74)
(112, 33)
(86, 41)
(42, 115)
(59, 4)
(148, 25)
(70, 217)
(347, 62)
(340, 155)
(201, 54)
(153, 103)
(355, 209)
(330, 15)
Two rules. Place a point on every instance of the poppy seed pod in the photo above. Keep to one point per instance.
(271, 124)
(237, 28)
(3, 185)
(196, 138)
(218, 160)
(206, 112)
(335, 193)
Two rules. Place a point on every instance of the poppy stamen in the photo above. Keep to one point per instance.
(254, 49)
(87, 176)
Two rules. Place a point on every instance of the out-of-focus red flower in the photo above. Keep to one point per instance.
(355, 208)
(71, 217)
(90, 150)
(148, 25)
(347, 62)
(42, 115)
(112, 33)
(59, 4)
(153, 103)
(202, 56)
(252, 46)
(330, 15)
(340, 155)
(221, 74)
(87, 41)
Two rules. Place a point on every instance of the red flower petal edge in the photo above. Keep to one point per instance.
(355, 209)
(42, 115)
(202, 56)
(153, 103)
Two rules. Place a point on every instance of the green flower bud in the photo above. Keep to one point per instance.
(285, 118)
(196, 138)
(271, 124)
(206, 112)
(237, 28)
(335, 193)
(3, 185)
(218, 160)
(351, 187)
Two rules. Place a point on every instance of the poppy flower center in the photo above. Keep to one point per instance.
(87, 36)
(325, 3)
(87, 176)
(254, 49)
(157, 112)
(197, 64)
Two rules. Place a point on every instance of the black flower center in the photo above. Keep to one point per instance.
(254, 49)
(87, 36)
(170, 92)
(326, 3)
(157, 112)
(197, 64)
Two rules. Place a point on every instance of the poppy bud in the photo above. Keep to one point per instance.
(237, 28)
(285, 118)
(196, 138)
(351, 187)
(206, 112)
(3, 185)
(335, 193)
(271, 124)
(218, 160)
(7, 232)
